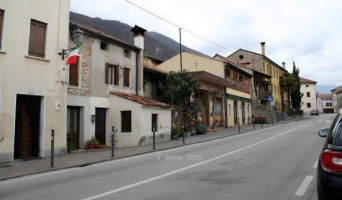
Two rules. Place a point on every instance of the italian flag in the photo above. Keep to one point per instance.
(72, 57)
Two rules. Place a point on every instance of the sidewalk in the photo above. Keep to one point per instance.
(20, 168)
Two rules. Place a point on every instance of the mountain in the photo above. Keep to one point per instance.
(325, 88)
(156, 45)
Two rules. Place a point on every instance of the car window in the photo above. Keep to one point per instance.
(337, 139)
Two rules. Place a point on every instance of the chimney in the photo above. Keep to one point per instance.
(139, 76)
(138, 36)
(283, 64)
(262, 48)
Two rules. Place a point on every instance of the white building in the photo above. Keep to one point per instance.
(325, 103)
(308, 90)
(32, 80)
(106, 89)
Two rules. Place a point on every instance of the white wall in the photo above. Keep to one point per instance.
(312, 99)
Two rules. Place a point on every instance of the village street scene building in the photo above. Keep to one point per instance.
(33, 81)
(113, 83)
(325, 103)
(309, 99)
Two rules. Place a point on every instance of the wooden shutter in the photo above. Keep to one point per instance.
(37, 39)
(1, 24)
(106, 74)
(116, 75)
(73, 73)
(126, 121)
(126, 77)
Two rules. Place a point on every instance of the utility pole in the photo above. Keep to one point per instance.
(180, 48)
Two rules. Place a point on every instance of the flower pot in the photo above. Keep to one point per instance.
(91, 145)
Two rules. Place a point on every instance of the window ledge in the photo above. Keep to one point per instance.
(2, 51)
(37, 58)
(74, 87)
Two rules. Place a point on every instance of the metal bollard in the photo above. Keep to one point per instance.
(154, 136)
(52, 147)
(183, 134)
(112, 141)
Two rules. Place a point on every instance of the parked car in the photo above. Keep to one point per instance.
(315, 112)
(329, 170)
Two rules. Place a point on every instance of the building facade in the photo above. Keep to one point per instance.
(308, 91)
(32, 78)
(262, 64)
(337, 98)
(325, 103)
(110, 93)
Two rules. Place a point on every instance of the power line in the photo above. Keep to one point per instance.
(177, 26)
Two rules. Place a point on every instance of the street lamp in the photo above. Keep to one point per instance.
(77, 37)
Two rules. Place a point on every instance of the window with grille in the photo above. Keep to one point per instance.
(307, 94)
(37, 39)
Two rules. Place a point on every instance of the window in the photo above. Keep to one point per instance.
(154, 122)
(126, 77)
(240, 78)
(275, 89)
(112, 74)
(104, 46)
(263, 67)
(307, 85)
(327, 104)
(308, 105)
(126, 121)
(2, 12)
(228, 73)
(127, 53)
(37, 39)
(307, 94)
(73, 73)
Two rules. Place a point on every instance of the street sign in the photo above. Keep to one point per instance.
(270, 98)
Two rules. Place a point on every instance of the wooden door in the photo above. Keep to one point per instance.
(100, 125)
(27, 126)
(73, 126)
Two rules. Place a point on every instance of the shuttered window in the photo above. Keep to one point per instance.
(126, 77)
(126, 121)
(73, 73)
(37, 39)
(112, 74)
(2, 12)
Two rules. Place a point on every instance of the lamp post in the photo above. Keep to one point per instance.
(77, 37)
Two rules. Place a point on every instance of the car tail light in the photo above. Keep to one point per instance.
(332, 161)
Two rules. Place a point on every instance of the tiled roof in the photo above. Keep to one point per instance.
(304, 80)
(325, 96)
(141, 100)
(101, 34)
(149, 67)
(236, 64)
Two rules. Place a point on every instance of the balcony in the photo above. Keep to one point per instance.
(240, 86)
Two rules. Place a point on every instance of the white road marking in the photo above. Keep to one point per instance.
(102, 195)
(315, 165)
(328, 121)
(304, 186)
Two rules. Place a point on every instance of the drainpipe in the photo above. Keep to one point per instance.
(136, 70)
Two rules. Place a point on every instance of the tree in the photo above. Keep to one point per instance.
(296, 96)
(287, 85)
(177, 88)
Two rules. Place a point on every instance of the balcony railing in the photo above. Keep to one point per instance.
(240, 86)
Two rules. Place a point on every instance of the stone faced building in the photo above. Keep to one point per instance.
(106, 90)
(32, 78)
(262, 64)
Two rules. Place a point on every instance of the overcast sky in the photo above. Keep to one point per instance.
(308, 32)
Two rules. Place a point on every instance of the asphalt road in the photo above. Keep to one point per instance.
(273, 163)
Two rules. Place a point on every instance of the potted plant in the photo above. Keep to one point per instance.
(201, 128)
(92, 143)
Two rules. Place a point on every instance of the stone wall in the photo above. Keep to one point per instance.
(84, 87)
